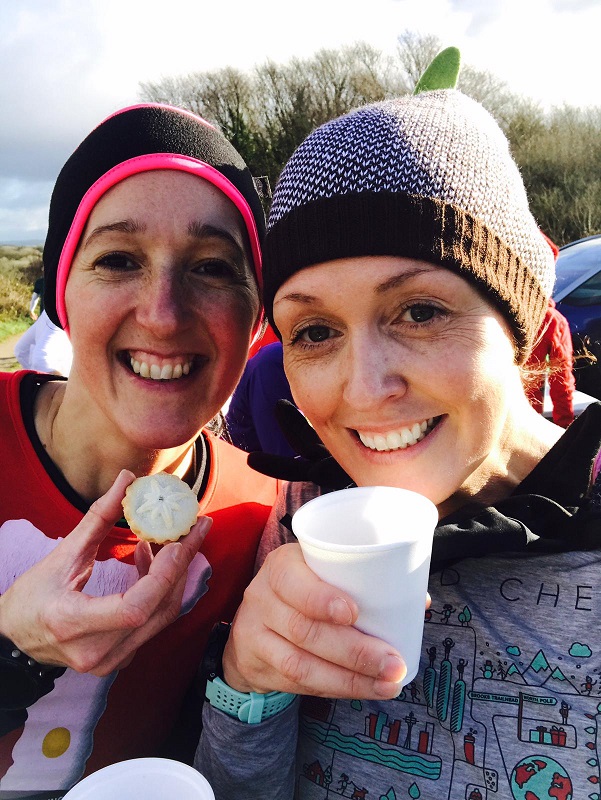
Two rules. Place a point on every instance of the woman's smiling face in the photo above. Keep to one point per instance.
(161, 302)
(406, 372)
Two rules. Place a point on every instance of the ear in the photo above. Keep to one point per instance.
(442, 73)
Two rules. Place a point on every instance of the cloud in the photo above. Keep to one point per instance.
(67, 64)
(572, 6)
(481, 14)
(580, 650)
(24, 210)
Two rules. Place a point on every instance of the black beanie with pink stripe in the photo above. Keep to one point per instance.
(132, 137)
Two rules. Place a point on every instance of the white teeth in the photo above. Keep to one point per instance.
(380, 442)
(393, 440)
(398, 440)
(156, 372)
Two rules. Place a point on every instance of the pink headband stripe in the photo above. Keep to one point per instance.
(134, 166)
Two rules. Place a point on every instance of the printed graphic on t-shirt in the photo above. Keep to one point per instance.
(60, 726)
(505, 706)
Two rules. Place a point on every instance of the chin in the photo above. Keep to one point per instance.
(161, 440)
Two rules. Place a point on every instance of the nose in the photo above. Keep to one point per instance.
(163, 308)
(375, 371)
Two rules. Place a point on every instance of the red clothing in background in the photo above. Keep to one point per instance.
(555, 342)
(268, 338)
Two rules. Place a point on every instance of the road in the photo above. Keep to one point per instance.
(7, 355)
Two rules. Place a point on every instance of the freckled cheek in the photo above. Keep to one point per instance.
(237, 311)
(314, 390)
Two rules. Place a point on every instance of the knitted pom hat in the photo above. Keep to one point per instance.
(133, 140)
(426, 176)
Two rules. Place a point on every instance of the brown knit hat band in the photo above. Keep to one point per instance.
(410, 226)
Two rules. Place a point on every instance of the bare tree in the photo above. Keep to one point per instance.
(268, 111)
(415, 52)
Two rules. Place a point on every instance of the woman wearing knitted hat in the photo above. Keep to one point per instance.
(152, 265)
(407, 279)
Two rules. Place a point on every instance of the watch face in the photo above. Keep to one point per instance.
(211, 666)
(19, 687)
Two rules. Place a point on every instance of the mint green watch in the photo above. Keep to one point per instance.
(250, 707)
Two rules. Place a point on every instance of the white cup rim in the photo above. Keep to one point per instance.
(332, 498)
(151, 765)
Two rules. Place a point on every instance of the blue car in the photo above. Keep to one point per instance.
(577, 294)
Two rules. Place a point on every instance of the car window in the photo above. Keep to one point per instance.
(587, 294)
(575, 261)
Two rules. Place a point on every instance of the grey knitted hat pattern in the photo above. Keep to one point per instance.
(425, 176)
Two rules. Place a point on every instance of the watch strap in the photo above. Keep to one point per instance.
(23, 680)
(250, 707)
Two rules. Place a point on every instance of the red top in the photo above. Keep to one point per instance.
(86, 722)
(268, 338)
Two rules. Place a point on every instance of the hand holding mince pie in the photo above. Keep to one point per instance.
(60, 625)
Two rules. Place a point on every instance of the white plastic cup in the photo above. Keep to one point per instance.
(374, 543)
(143, 779)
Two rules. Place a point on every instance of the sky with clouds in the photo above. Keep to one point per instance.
(66, 64)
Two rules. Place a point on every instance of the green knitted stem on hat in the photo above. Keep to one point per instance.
(442, 72)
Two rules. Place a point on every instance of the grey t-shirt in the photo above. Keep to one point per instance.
(505, 704)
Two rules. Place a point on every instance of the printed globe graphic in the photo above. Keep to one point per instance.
(540, 777)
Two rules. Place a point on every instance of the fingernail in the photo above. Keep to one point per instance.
(204, 524)
(340, 612)
(175, 551)
(387, 690)
(392, 669)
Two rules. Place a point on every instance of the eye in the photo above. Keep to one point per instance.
(313, 335)
(116, 262)
(216, 268)
(419, 313)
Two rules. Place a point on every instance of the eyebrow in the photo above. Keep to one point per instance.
(382, 288)
(123, 226)
(399, 280)
(196, 229)
(205, 231)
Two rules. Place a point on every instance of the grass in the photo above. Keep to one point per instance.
(19, 269)
(11, 327)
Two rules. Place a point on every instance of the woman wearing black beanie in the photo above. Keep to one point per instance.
(153, 267)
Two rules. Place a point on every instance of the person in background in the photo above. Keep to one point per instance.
(552, 357)
(251, 421)
(152, 266)
(37, 297)
(407, 280)
(45, 347)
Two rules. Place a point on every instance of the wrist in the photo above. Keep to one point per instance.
(23, 680)
(247, 706)
(230, 673)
